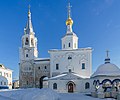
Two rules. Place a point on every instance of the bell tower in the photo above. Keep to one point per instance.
(70, 40)
(28, 51)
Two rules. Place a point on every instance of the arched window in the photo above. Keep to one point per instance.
(38, 67)
(26, 55)
(69, 57)
(87, 85)
(55, 86)
(57, 66)
(69, 45)
(45, 67)
(32, 42)
(27, 41)
(83, 65)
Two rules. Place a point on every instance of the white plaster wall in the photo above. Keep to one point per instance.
(31, 51)
(69, 39)
(79, 56)
(9, 77)
(63, 88)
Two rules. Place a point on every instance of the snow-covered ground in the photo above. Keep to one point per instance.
(42, 94)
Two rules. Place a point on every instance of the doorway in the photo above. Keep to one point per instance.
(70, 87)
(41, 82)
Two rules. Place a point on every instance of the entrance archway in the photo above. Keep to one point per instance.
(71, 87)
(41, 81)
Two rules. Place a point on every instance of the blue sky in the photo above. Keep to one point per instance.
(96, 23)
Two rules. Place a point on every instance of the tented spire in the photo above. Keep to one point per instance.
(29, 27)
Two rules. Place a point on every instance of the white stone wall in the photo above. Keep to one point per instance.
(72, 39)
(31, 71)
(42, 69)
(63, 88)
(79, 56)
(31, 51)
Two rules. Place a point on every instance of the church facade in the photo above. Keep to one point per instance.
(68, 69)
(69, 59)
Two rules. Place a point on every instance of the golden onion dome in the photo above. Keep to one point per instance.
(69, 21)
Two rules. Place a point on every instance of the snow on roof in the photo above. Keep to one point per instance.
(46, 78)
(42, 59)
(66, 76)
(58, 76)
(107, 69)
(79, 49)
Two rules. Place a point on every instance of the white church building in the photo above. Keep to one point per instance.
(68, 69)
(5, 77)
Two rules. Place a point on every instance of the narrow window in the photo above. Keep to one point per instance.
(57, 66)
(87, 85)
(38, 67)
(27, 82)
(7, 74)
(69, 45)
(83, 65)
(55, 86)
(26, 55)
(45, 67)
(32, 42)
(70, 70)
(69, 57)
(29, 68)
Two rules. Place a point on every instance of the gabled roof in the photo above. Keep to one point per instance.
(3, 67)
(66, 76)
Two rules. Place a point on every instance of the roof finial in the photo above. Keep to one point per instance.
(107, 59)
(29, 28)
(69, 9)
(69, 20)
(107, 51)
(29, 9)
